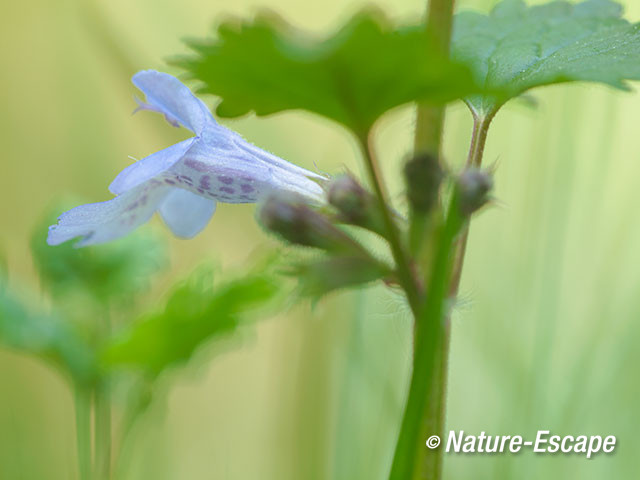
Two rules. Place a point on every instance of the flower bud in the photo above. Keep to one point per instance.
(321, 276)
(473, 187)
(294, 221)
(355, 205)
(423, 175)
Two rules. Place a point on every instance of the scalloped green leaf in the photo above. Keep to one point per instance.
(518, 47)
(367, 67)
(106, 272)
(43, 334)
(196, 313)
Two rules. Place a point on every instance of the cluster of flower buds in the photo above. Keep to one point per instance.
(295, 221)
(473, 187)
(348, 262)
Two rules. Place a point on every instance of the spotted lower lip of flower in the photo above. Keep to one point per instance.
(184, 182)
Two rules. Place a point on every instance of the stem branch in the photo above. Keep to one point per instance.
(481, 126)
(400, 256)
(476, 151)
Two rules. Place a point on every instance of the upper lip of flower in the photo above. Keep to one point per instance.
(216, 164)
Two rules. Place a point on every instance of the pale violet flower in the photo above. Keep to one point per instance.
(185, 181)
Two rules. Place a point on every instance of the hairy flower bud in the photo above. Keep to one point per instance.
(423, 175)
(321, 276)
(293, 220)
(473, 187)
(355, 205)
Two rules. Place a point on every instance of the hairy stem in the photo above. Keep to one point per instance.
(83, 431)
(398, 251)
(425, 409)
(430, 118)
(474, 159)
(481, 126)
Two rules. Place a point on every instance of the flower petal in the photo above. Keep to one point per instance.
(166, 94)
(149, 167)
(231, 175)
(186, 213)
(274, 160)
(105, 221)
(217, 167)
(301, 185)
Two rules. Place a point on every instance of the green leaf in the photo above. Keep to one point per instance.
(366, 68)
(195, 313)
(118, 269)
(44, 335)
(517, 47)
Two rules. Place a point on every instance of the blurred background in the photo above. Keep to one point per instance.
(545, 335)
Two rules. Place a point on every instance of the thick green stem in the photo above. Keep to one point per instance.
(425, 409)
(425, 405)
(398, 251)
(83, 431)
(430, 118)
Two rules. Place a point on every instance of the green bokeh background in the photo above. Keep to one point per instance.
(545, 336)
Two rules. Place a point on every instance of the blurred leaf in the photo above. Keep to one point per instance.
(366, 68)
(45, 335)
(120, 268)
(4, 264)
(517, 47)
(319, 277)
(194, 314)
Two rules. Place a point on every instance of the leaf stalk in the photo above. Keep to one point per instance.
(400, 256)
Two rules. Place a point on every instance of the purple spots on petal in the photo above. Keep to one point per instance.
(201, 191)
(227, 190)
(185, 179)
(196, 165)
(169, 181)
(204, 182)
(246, 188)
(133, 206)
(225, 179)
